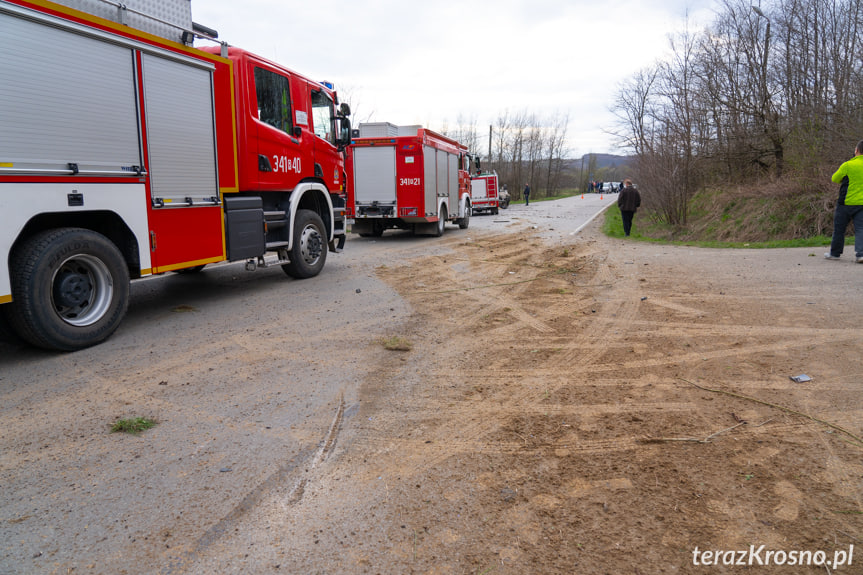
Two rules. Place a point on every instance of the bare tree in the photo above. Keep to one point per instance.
(500, 141)
(662, 117)
(774, 89)
(555, 152)
(526, 147)
(359, 115)
(632, 108)
(466, 134)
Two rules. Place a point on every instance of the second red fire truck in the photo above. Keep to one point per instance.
(406, 177)
(485, 192)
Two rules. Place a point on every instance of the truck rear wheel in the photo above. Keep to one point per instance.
(309, 248)
(70, 289)
(375, 229)
(441, 223)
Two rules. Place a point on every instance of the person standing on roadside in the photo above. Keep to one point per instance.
(527, 194)
(628, 201)
(849, 207)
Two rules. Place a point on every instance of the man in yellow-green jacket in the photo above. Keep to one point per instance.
(849, 207)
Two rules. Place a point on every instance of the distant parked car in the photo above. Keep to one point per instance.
(503, 197)
(610, 187)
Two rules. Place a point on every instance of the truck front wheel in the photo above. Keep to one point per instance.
(464, 222)
(70, 289)
(309, 248)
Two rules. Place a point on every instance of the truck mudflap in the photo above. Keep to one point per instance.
(337, 244)
(340, 235)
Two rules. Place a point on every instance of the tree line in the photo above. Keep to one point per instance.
(521, 147)
(770, 91)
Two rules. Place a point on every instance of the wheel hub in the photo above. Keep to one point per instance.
(82, 290)
(72, 289)
(311, 245)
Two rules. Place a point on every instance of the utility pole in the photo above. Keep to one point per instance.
(489, 143)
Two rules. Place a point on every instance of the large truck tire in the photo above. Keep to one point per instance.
(70, 289)
(309, 247)
(441, 223)
(464, 222)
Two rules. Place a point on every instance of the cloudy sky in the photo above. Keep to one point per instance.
(431, 62)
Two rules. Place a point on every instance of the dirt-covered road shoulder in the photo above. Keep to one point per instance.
(555, 415)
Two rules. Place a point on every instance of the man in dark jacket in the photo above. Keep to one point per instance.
(526, 194)
(628, 201)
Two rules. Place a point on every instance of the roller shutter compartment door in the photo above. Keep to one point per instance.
(186, 217)
(65, 98)
(375, 175)
(178, 103)
(452, 164)
(442, 178)
(430, 177)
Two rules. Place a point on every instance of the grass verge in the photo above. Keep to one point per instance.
(645, 230)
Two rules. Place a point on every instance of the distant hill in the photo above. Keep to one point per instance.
(602, 161)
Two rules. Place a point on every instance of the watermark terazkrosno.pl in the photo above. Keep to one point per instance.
(755, 556)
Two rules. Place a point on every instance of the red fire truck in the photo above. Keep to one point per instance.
(125, 151)
(406, 177)
(484, 192)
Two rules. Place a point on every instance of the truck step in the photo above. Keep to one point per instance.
(275, 220)
(273, 246)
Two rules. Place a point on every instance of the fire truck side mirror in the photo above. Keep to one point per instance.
(298, 131)
(345, 133)
(344, 110)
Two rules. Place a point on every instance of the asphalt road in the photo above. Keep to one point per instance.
(555, 221)
(249, 375)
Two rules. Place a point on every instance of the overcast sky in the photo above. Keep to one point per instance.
(431, 61)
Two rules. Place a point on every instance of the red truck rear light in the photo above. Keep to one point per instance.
(408, 212)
